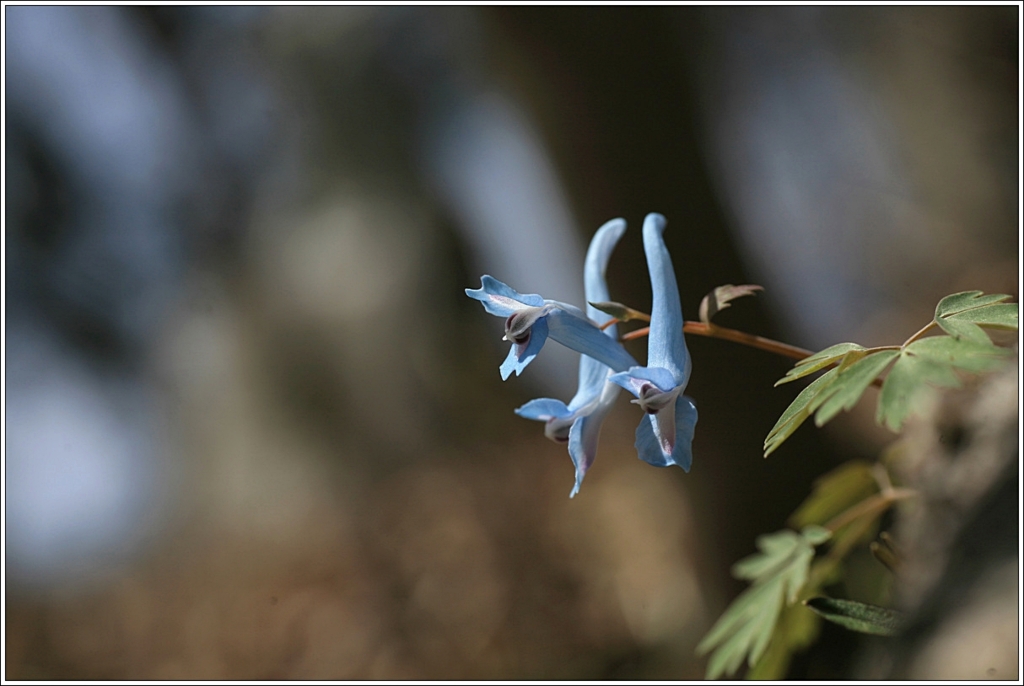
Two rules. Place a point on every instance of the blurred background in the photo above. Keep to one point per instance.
(255, 430)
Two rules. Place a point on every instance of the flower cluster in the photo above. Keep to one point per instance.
(665, 433)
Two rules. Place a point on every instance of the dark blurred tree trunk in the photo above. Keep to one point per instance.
(960, 568)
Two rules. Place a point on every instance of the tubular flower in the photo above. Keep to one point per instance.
(530, 320)
(665, 434)
(579, 422)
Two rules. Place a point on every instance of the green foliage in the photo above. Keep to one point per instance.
(960, 314)
(843, 487)
(796, 629)
(917, 364)
(867, 619)
(765, 625)
(719, 299)
(837, 389)
(778, 573)
(851, 383)
(826, 357)
(799, 410)
(931, 362)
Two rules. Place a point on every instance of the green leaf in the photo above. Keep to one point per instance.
(967, 300)
(815, 535)
(799, 410)
(851, 383)
(965, 324)
(867, 619)
(963, 354)
(1003, 316)
(843, 487)
(837, 389)
(779, 572)
(903, 385)
(796, 629)
(817, 361)
(775, 551)
(963, 330)
(794, 575)
(719, 299)
(932, 362)
(960, 314)
(745, 622)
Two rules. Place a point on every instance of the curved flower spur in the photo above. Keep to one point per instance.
(579, 422)
(664, 437)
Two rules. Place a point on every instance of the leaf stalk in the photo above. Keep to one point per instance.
(715, 331)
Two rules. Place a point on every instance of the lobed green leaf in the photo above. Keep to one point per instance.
(960, 314)
(817, 361)
(815, 535)
(903, 385)
(796, 629)
(779, 572)
(752, 614)
(967, 300)
(965, 330)
(794, 574)
(968, 355)
(775, 551)
(867, 619)
(932, 362)
(1003, 315)
(799, 410)
(851, 383)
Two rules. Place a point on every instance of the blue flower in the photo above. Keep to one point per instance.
(579, 422)
(665, 435)
(530, 320)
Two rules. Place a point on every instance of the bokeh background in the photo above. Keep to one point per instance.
(255, 429)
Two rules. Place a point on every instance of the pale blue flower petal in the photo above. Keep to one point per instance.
(543, 409)
(580, 421)
(593, 374)
(582, 336)
(634, 379)
(584, 434)
(566, 324)
(649, 445)
(521, 355)
(666, 345)
(500, 299)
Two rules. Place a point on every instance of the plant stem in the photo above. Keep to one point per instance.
(925, 329)
(876, 504)
(713, 331)
(865, 512)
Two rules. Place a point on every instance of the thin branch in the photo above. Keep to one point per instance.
(857, 515)
(925, 329)
(874, 505)
(713, 331)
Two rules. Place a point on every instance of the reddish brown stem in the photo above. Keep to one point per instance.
(713, 331)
